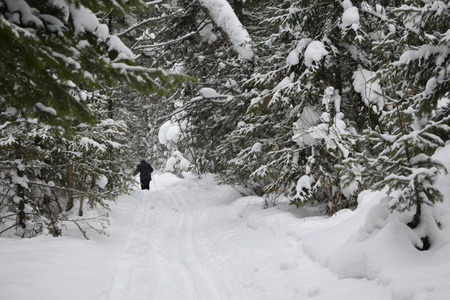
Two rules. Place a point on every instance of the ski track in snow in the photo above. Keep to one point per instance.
(153, 265)
(200, 243)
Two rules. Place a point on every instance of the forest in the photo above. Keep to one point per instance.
(313, 101)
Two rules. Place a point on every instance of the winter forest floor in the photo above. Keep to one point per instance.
(193, 239)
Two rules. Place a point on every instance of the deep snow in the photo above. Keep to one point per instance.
(193, 239)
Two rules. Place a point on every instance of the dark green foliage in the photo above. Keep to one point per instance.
(60, 139)
(413, 125)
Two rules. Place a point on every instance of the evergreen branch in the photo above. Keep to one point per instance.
(145, 22)
(146, 47)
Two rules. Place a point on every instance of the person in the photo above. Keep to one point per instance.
(145, 170)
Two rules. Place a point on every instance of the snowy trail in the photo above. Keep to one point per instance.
(160, 260)
(193, 239)
(196, 243)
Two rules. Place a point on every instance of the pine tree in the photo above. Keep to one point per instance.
(59, 144)
(412, 124)
(191, 39)
(296, 63)
(49, 52)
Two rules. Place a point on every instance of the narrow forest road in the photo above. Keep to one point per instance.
(193, 241)
(162, 257)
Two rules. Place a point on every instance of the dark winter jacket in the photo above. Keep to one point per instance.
(145, 171)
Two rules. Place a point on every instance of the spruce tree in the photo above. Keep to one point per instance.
(300, 58)
(190, 39)
(413, 123)
(58, 142)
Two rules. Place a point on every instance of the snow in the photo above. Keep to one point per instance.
(116, 43)
(169, 132)
(193, 239)
(46, 109)
(207, 34)
(293, 56)
(63, 7)
(350, 17)
(424, 52)
(209, 93)
(443, 103)
(431, 84)
(256, 147)
(308, 129)
(102, 181)
(282, 84)
(85, 20)
(314, 52)
(303, 183)
(10, 111)
(368, 88)
(16, 179)
(223, 15)
(177, 161)
(87, 143)
(26, 13)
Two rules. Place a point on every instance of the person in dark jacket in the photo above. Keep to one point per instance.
(145, 171)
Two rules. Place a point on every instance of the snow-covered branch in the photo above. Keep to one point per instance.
(144, 47)
(223, 16)
(145, 22)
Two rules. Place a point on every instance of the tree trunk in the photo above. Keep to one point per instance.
(416, 220)
(82, 185)
(57, 203)
(20, 191)
(83, 179)
(110, 109)
(238, 7)
(91, 188)
(69, 187)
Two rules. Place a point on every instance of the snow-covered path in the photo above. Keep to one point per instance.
(189, 242)
(161, 257)
(193, 239)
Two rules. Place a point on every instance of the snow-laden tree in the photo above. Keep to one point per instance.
(58, 139)
(51, 173)
(413, 92)
(56, 50)
(299, 59)
(206, 40)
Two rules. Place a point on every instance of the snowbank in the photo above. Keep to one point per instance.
(373, 244)
(70, 267)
